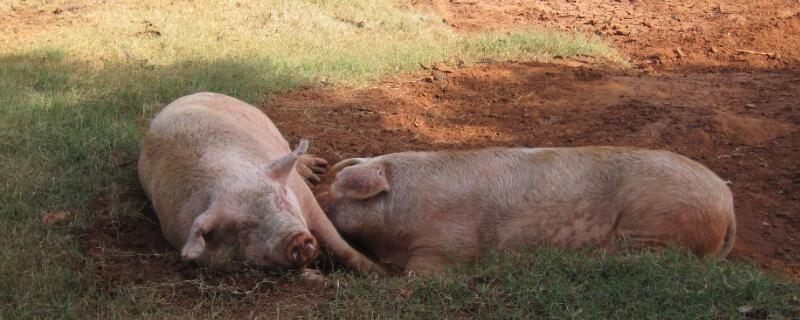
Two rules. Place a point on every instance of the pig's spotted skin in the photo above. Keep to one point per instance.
(451, 207)
(224, 186)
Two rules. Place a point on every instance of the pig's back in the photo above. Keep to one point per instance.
(197, 144)
(210, 120)
(565, 196)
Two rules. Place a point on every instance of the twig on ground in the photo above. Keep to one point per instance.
(771, 55)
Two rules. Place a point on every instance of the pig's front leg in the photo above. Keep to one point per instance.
(326, 234)
(310, 167)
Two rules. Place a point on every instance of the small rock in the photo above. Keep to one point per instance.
(56, 218)
(766, 224)
(750, 106)
(657, 58)
(680, 52)
(313, 277)
(713, 49)
(745, 309)
(774, 55)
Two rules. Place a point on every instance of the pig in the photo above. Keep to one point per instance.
(426, 211)
(226, 189)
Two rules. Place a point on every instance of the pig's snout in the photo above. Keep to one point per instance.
(302, 249)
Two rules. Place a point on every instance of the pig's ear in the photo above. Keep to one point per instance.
(196, 242)
(361, 181)
(282, 168)
(346, 163)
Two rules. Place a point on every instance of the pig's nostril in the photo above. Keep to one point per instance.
(302, 249)
(310, 245)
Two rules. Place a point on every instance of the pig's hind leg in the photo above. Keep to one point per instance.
(310, 167)
(688, 227)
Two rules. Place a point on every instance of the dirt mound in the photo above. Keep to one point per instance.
(658, 34)
(749, 130)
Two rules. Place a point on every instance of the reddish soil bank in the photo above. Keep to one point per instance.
(654, 33)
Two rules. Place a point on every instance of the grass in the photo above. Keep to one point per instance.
(77, 88)
(552, 283)
(536, 283)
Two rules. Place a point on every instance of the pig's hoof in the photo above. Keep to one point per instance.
(310, 167)
(313, 277)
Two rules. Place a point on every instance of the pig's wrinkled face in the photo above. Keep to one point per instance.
(277, 236)
(260, 225)
(261, 228)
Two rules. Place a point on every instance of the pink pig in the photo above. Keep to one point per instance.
(425, 211)
(223, 183)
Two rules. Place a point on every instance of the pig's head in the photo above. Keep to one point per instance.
(353, 200)
(262, 226)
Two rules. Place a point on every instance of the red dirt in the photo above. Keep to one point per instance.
(737, 113)
(656, 34)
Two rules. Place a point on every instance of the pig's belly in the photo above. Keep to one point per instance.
(562, 228)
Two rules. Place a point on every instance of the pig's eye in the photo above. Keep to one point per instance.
(211, 235)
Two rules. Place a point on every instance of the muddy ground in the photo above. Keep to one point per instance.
(717, 81)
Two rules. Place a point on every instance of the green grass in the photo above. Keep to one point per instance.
(537, 283)
(75, 96)
(551, 283)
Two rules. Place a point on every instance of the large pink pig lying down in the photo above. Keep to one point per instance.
(224, 186)
(424, 211)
